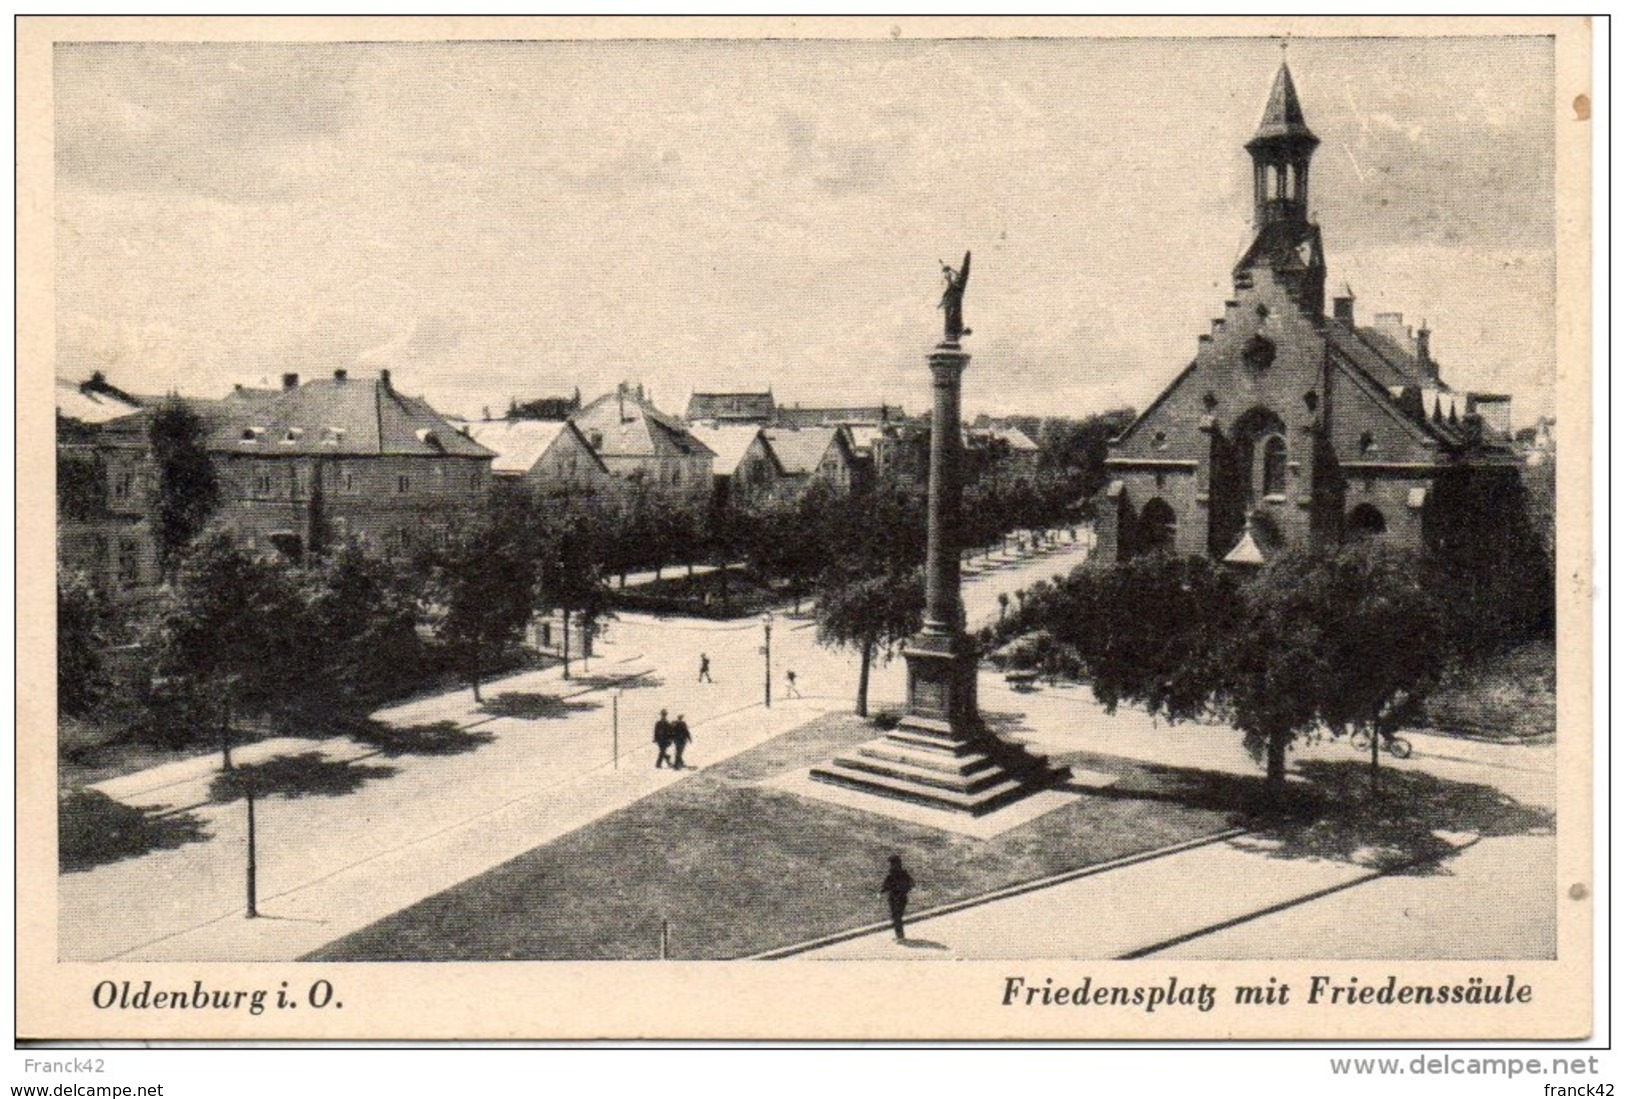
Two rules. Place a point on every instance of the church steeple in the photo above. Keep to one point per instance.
(1281, 150)
(1285, 242)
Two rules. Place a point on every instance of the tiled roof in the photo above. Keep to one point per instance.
(329, 416)
(90, 406)
(629, 425)
(519, 444)
(801, 449)
(730, 443)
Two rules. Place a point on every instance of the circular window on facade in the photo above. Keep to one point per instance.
(1259, 353)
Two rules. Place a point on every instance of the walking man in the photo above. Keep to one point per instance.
(790, 685)
(705, 668)
(663, 732)
(896, 887)
(680, 737)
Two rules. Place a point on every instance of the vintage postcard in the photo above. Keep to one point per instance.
(794, 529)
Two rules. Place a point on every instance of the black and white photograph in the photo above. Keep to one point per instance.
(1063, 526)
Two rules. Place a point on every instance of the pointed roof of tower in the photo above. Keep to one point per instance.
(1283, 116)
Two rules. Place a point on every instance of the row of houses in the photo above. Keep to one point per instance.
(342, 456)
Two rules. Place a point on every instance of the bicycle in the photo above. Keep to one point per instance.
(1395, 745)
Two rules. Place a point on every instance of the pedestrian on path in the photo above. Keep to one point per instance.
(663, 731)
(680, 738)
(705, 668)
(896, 887)
(790, 685)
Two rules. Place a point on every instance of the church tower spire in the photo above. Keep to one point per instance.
(1286, 241)
(1281, 150)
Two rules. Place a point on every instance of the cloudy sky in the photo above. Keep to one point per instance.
(492, 220)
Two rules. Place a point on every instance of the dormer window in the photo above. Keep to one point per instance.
(252, 434)
(294, 435)
(1160, 440)
(1368, 442)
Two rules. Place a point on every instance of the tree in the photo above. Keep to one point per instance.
(873, 614)
(234, 631)
(187, 490)
(364, 614)
(1339, 641)
(482, 587)
(569, 556)
(80, 638)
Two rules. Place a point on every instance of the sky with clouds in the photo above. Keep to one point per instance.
(492, 220)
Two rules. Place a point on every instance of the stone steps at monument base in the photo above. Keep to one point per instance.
(928, 757)
(982, 801)
(1008, 789)
(931, 738)
(985, 775)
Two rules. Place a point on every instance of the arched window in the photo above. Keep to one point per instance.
(1365, 521)
(1275, 466)
(1157, 526)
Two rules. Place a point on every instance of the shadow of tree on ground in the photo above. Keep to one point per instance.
(442, 738)
(93, 830)
(1416, 821)
(535, 707)
(308, 774)
(625, 683)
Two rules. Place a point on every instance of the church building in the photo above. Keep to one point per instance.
(1293, 427)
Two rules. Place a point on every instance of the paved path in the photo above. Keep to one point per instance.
(418, 824)
(1493, 899)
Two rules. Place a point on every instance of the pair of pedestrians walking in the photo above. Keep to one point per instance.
(671, 737)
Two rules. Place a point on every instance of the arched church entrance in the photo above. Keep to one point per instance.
(1246, 466)
(1157, 526)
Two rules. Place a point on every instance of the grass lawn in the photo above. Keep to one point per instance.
(738, 868)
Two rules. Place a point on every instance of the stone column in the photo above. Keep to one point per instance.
(941, 663)
(944, 608)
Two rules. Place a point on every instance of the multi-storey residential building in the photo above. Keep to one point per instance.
(645, 447)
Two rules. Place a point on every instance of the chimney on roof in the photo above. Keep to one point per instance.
(1424, 356)
(341, 375)
(383, 376)
(290, 381)
(1343, 307)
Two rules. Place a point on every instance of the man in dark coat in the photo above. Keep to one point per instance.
(663, 742)
(680, 737)
(896, 887)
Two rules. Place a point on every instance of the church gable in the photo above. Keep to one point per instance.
(1369, 425)
(1264, 354)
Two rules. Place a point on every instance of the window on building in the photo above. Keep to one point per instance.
(403, 484)
(129, 562)
(1157, 526)
(1368, 442)
(474, 479)
(1365, 521)
(1275, 466)
(262, 484)
(124, 484)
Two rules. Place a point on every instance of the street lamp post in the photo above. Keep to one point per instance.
(253, 884)
(767, 660)
(615, 729)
